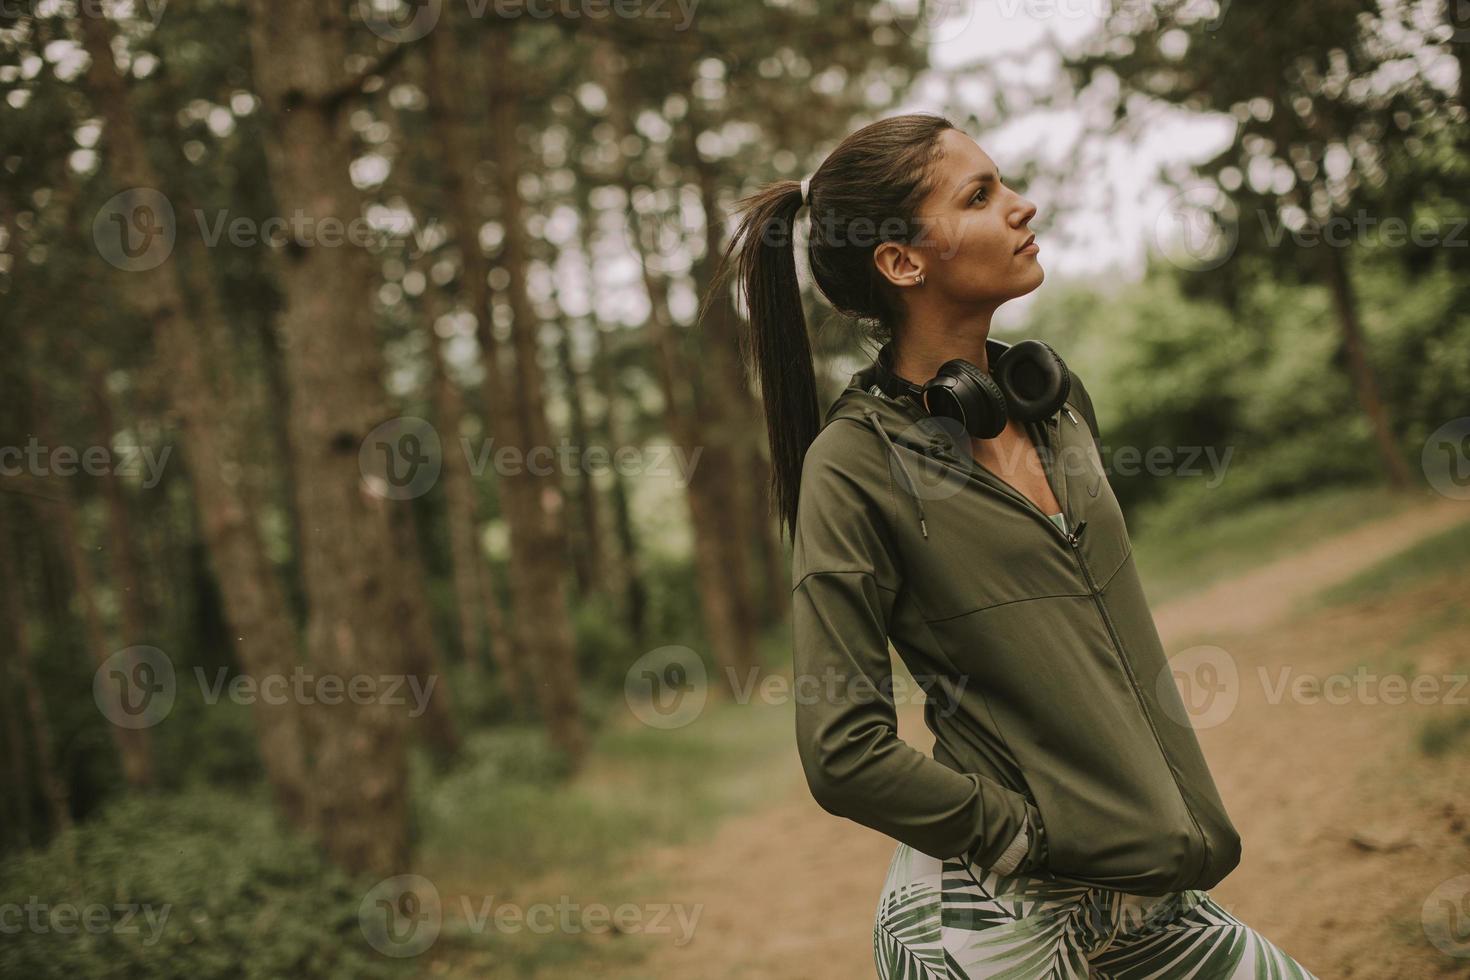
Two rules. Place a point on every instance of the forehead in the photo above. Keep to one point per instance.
(961, 158)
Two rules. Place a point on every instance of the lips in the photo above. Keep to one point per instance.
(1029, 240)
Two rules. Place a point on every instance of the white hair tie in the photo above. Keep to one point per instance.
(806, 183)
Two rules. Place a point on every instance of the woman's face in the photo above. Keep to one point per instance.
(973, 251)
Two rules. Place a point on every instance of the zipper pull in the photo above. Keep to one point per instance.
(1068, 411)
(1077, 534)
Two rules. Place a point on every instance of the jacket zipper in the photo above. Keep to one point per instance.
(1073, 540)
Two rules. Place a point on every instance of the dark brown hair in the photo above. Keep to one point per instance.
(863, 194)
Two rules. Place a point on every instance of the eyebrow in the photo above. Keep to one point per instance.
(983, 176)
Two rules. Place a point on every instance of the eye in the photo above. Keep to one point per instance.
(979, 196)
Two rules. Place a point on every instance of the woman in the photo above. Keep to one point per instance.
(1067, 824)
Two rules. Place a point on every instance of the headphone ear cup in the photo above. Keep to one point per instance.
(1035, 380)
(963, 392)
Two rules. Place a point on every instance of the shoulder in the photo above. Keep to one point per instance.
(846, 464)
(844, 506)
(1079, 398)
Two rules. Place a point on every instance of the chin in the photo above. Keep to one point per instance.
(1029, 282)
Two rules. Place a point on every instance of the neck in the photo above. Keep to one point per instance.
(920, 352)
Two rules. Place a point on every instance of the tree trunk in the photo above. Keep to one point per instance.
(624, 568)
(716, 512)
(628, 567)
(730, 415)
(18, 800)
(586, 537)
(367, 611)
(1365, 383)
(464, 538)
(515, 410)
(254, 602)
(53, 788)
(122, 547)
(132, 744)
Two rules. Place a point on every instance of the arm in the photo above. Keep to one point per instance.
(846, 581)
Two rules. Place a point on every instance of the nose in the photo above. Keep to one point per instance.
(1023, 211)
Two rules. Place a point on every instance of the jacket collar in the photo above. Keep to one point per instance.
(900, 398)
(891, 405)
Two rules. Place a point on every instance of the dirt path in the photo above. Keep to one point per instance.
(790, 891)
(1260, 597)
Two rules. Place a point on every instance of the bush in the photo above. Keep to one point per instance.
(192, 885)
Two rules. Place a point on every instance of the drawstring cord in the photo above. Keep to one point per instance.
(903, 467)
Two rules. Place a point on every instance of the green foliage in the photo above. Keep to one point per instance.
(673, 604)
(1439, 735)
(231, 893)
(1435, 555)
(605, 646)
(1266, 384)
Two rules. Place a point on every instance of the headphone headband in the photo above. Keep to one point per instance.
(895, 386)
(1028, 381)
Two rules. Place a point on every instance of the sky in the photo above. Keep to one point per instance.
(1143, 212)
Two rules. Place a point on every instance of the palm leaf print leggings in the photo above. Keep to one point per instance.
(956, 920)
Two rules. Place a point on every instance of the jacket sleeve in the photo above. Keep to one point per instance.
(845, 582)
(1083, 401)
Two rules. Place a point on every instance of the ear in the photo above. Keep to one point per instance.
(895, 263)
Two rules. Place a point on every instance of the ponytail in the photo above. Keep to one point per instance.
(761, 256)
(878, 173)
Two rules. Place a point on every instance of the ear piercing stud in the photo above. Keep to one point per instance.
(918, 279)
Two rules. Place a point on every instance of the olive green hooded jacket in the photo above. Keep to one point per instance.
(1048, 691)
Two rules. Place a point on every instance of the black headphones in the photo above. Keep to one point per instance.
(1029, 382)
